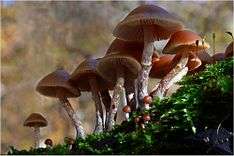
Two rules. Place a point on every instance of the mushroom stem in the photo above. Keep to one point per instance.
(172, 77)
(123, 101)
(98, 106)
(213, 36)
(74, 117)
(36, 136)
(135, 95)
(116, 98)
(146, 65)
(106, 99)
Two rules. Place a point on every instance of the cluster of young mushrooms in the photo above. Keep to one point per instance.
(126, 67)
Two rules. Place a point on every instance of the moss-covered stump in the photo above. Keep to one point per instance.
(203, 102)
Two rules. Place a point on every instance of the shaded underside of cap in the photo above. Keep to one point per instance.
(162, 22)
(125, 47)
(35, 120)
(161, 67)
(56, 84)
(184, 41)
(86, 71)
(108, 65)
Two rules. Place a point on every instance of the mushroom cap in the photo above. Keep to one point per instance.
(194, 62)
(108, 65)
(35, 120)
(56, 84)
(161, 66)
(131, 48)
(126, 109)
(86, 71)
(204, 57)
(162, 24)
(229, 50)
(219, 56)
(48, 141)
(185, 41)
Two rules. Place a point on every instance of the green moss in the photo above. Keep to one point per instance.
(203, 100)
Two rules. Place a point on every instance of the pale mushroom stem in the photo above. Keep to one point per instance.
(74, 117)
(136, 100)
(146, 63)
(171, 78)
(36, 136)
(98, 106)
(106, 99)
(123, 101)
(115, 98)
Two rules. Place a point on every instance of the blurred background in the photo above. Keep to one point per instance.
(38, 37)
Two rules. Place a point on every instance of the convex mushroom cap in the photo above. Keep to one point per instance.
(162, 24)
(131, 48)
(86, 70)
(108, 65)
(35, 120)
(56, 84)
(185, 41)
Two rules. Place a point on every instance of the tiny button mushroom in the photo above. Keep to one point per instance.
(49, 143)
(56, 85)
(148, 99)
(69, 141)
(146, 117)
(36, 121)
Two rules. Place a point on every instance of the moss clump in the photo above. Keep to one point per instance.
(202, 102)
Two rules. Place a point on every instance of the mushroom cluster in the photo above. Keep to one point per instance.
(126, 67)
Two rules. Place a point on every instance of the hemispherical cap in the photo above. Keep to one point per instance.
(49, 142)
(56, 84)
(35, 120)
(194, 62)
(86, 71)
(109, 64)
(162, 24)
(185, 41)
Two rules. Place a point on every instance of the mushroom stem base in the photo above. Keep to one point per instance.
(36, 137)
(74, 118)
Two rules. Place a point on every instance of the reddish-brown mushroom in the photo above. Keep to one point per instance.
(219, 56)
(36, 121)
(147, 23)
(117, 68)
(229, 50)
(87, 78)
(56, 85)
(183, 43)
(49, 143)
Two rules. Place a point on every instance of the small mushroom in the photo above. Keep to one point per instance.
(146, 118)
(117, 68)
(87, 78)
(49, 143)
(127, 109)
(183, 43)
(147, 23)
(69, 141)
(36, 121)
(56, 85)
